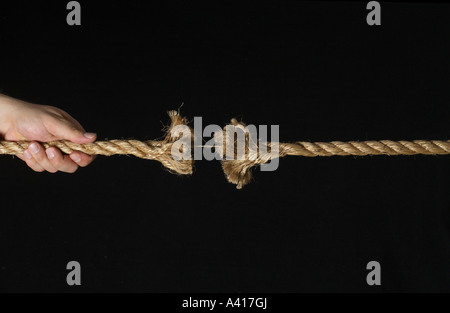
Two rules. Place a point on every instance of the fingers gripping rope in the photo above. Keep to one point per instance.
(237, 171)
(152, 150)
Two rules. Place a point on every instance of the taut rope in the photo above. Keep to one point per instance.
(237, 171)
(152, 150)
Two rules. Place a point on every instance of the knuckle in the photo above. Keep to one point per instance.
(56, 162)
(39, 157)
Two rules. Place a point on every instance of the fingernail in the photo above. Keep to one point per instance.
(90, 135)
(76, 158)
(27, 154)
(50, 154)
(34, 148)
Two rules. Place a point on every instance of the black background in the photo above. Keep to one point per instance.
(314, 68)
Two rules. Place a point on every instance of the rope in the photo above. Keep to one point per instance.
(152, 150)
(236, 171)
(387, 147)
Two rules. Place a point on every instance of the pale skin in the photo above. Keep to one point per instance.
(20, 120)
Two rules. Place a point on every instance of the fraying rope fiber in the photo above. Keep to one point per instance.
(239, 173)
(152, 150)
(236, 171)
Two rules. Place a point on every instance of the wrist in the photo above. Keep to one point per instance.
(6, 107)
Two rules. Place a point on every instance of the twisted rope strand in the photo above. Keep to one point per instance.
(151, 150)
(142, 149)
(236, 171)
(386, 147)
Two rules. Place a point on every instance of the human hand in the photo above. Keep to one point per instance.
(20, 120)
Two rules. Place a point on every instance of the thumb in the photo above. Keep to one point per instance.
(70, 131)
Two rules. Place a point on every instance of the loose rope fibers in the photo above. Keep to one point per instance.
(236, 171)
(152, 150)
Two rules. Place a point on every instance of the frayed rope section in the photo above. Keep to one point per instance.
(239, 171)
(236, 171)
(151, 150)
